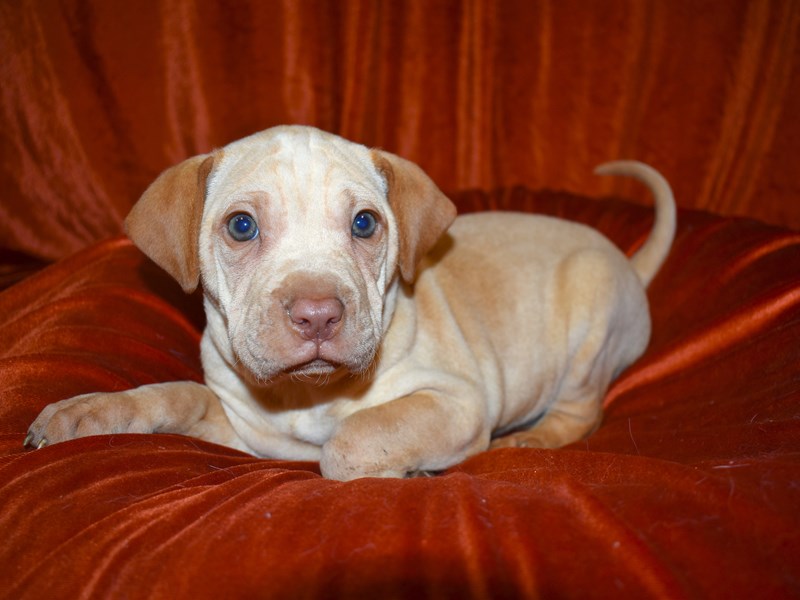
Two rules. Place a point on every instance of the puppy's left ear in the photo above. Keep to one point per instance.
(165, 222)
(422, 211)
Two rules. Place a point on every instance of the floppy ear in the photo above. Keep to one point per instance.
(422, 211)
(165, 222)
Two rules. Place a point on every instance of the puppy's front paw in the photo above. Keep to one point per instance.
(82, 416)
(345, 459)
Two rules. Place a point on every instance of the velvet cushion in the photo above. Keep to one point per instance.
(688, 489)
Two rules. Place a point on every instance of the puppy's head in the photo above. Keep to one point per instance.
(298, 237)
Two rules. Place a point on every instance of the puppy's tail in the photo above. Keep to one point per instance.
(649, 258)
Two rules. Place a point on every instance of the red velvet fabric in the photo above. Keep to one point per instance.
(99, 96)
(689, 489)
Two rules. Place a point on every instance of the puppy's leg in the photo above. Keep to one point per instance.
(608, 326)
(183, 407)
(420, 432)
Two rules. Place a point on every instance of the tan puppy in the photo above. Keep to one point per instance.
(344, 327)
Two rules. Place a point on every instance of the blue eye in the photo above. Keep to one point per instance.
(242, 227)
(364, 224)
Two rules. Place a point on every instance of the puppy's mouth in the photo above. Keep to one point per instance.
(315, 367)
(264, 359)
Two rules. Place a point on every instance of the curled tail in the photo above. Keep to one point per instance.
(649, 258)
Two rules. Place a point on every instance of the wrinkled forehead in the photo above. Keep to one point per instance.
(295, 164)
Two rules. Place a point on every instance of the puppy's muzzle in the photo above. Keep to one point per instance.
(316, 319)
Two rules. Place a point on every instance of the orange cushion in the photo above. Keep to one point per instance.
(689, 488)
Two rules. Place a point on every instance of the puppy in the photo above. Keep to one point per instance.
(345, 326)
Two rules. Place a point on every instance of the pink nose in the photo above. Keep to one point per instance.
(316, 319)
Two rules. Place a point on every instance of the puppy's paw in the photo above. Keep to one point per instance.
(82, 416)
(344, 460)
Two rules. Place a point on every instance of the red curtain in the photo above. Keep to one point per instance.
(99, 96)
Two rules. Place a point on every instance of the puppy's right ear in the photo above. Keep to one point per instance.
(165, 222)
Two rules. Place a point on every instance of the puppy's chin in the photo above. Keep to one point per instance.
(263, 371)
(316, 369)
(317, 366)
(316, 374)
